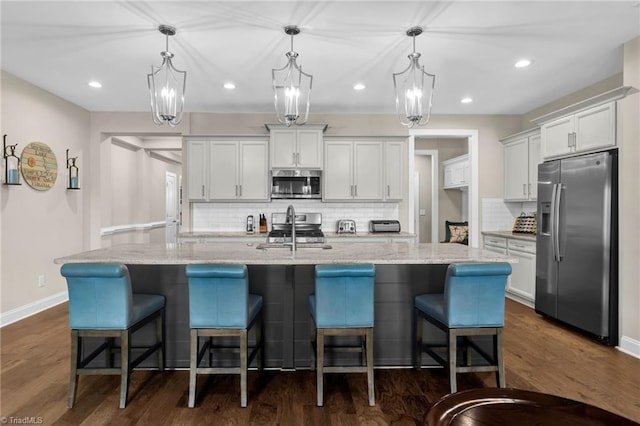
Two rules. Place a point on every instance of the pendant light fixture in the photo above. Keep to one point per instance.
(166, 86)
(291, 87)
(411, 90)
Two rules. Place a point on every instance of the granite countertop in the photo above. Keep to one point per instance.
(367, 234)
(220, 234)
(246, 252)
(225, 234)
(509, 234)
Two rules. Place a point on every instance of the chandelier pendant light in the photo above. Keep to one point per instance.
(414, 89)
(166, 86)
(291, 88)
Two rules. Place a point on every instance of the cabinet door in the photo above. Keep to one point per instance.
(197, 170)
(309, 149)
(516, 167)
(448, 176)
(555, 137)
(254, 171)
(223, 171)
(337, 174)
(367, 170)
(394, 158)
(522, 281)
(595, 128)
(534, 160)
(283, 149)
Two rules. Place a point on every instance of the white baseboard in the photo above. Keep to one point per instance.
(630, 346)
(32, 308)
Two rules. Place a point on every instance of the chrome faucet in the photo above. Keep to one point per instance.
(291, 218)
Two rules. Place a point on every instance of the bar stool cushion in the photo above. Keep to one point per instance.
(100, 297)
(227, 304)
(344, 296)
(474, 296)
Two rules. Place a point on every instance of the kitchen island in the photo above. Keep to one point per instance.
(285, 279)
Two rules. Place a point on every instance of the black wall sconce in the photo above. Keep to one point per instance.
(73, 172)
(11, 163)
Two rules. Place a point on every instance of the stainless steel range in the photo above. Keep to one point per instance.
(308, 228)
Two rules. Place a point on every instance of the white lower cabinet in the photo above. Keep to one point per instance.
(523, 275)
(521, 285)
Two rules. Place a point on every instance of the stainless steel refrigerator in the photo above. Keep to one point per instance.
(577, 242)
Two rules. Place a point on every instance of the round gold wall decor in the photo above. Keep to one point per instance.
(39, 166)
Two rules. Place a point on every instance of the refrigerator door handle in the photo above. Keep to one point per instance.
(552, 219)
(557, 195)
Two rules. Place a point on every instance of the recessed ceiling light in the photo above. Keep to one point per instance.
(229, 86)
(523, 63)
(466, 100)
(358, 86)
(95, 84)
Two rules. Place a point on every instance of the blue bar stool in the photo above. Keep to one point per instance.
(220, 306)
(472, 305)
(101, 304)
(342, 305)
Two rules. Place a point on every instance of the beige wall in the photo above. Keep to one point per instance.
(38, 226)
(629, 160)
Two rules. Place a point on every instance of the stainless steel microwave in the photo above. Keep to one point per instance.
(296, 184)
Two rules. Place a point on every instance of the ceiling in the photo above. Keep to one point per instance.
(470, 46)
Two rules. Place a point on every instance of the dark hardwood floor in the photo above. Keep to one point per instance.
(539, 356)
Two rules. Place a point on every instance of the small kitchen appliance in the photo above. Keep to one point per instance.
(308, 228)
(346, 226)
(384, 226)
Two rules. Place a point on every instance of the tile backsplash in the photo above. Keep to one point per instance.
(498, 215)
(232, 217)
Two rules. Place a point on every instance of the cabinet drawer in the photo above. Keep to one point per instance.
(490, 240)
(521, 245)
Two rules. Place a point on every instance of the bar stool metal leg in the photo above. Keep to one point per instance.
(125, 357)
(320, 366)
(73, 370)
(193, 366)
(369, 348)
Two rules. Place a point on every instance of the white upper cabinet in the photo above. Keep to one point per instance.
(584, 127)
(521, 159)
(197, 170)
(456, 172)
(588, 130)
(228, 170)
(353, 170)
(299, 148)
(394, 157)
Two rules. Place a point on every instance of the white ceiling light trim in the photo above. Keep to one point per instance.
(411, 91)
(523, 63)
(466, 100)
(166, 86)
(95, 84)
(229, 86)
(291, 87)
(359, 86)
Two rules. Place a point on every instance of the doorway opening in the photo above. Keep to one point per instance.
(471, 138)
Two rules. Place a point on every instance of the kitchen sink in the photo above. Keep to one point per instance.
(267, 246)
